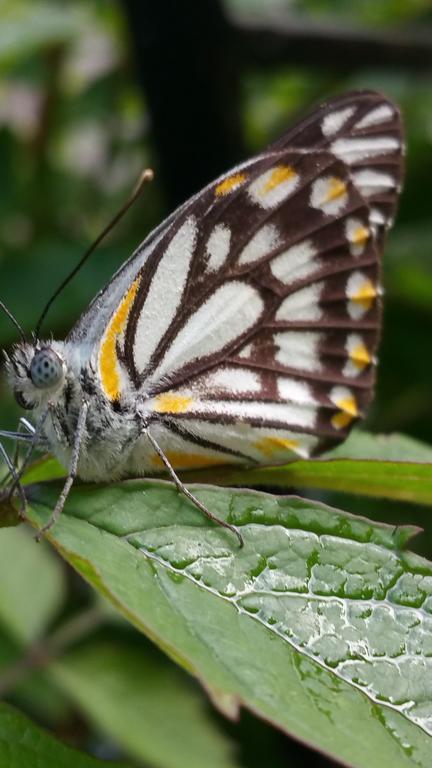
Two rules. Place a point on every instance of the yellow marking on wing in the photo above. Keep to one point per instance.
(348, 410)
(171, 403)
(341, 420)
(270, 445)
(229, 184)
(280, 174)
(108, 362)
(360, 356)
(360, 236)
(365, 295)
(348, 405)
(336, 188)
(181, 460)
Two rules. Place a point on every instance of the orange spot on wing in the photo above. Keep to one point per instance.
(348, 411)
(188, 460)
(172, 403)
(341, 420)
(360, 236)
(348, 405)
(360, 356)
(229, 184)
(280, 174)
(336, 188)
(365, 295)
(108, 362)
(271, 445)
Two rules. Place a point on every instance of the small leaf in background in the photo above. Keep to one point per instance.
(344, 616)
(24, 745)
(32, 586)
(147, 706)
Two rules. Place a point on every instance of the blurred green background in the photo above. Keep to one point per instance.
(91, 92)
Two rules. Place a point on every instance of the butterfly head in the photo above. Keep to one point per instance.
(37, 372)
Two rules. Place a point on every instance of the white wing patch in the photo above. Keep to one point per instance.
(229, 312)
(334, 121)
(371, 182)
(234, 380)
(352, 150)
(359, 356)
(246, 351)
(296, 415)
(357, 235)
(381, 114)
(166, 290)
(296, 263)
(361, 293)
(218, 247)
(377, 217)
(263, 242)
(294, 391)
(298, 350)
(329, 194)
(303, 305)
(275, 185)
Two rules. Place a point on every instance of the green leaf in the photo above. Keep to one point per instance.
(32, 585)
(318, 623)
(149, 708)
(24, 745)
(45, 468)
(392, 467)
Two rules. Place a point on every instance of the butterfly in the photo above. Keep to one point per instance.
(244, 329)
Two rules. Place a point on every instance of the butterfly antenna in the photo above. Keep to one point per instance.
(146, 175)
(14, 320)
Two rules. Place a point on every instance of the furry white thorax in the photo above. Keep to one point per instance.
(113, 445)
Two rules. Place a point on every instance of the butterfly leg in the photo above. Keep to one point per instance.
(29, 436)
(79, 434)
(24, 434)
(32, 441)
(182, 488)
(15, 478)
(24, 428)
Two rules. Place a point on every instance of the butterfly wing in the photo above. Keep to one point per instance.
(249, 321)
(364, 130)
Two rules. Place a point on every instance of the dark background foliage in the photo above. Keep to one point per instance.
(92, 92)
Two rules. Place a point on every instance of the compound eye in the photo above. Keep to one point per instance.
(46, 369)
